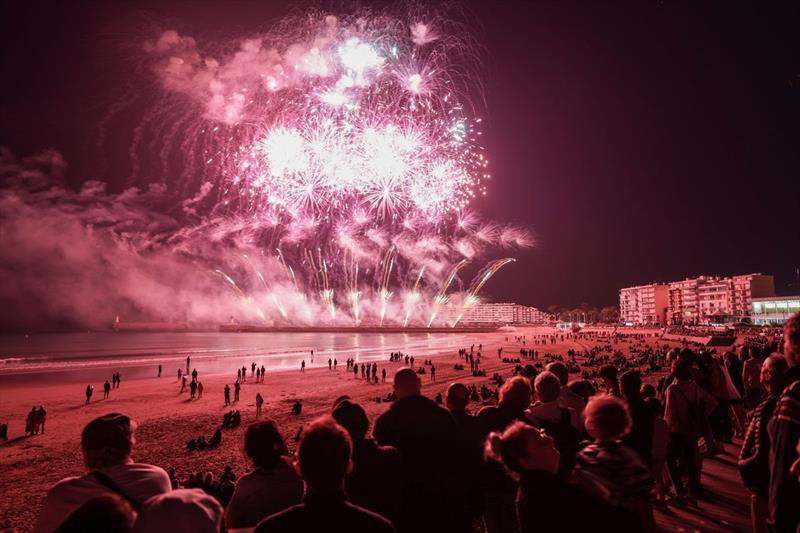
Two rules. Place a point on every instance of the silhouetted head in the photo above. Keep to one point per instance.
(516, 393)
(607, 418)
(791, 340)
(264, 444)
(522, 447)
(108, 441)
(352, 417)
(773, 373)
(103, 513)
(560, 370)
(630, 383)
(324, 455)
(457, 397)
(547, 386)
(406, 383)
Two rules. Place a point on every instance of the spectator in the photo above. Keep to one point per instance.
(751, 377)
(324, 458)
(500, 490)
(546, 502)
(686, 413)
(608, 468)
(608, 373)
(566, 397)
(107, 443)
(515, 397)
(272, 486)
(562, 424)
(180, 511)
(754, 455)
(103, 514)
(640, 437)
(372, 484)
(470, 449)
(784, 432)
(424, 433)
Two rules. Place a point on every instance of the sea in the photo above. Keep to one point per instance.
(52, 357)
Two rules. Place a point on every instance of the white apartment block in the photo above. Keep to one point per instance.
(495, 313)
(644, 304)
(706, 299)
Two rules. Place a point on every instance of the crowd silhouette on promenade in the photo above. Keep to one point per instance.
(539, 453)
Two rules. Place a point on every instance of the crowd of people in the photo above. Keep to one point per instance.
(549, 454)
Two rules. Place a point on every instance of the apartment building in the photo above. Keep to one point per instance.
(644, 304)
(699, 300)
(496, 313)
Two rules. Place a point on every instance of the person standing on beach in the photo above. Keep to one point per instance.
(355, 370)
(89, 391)
(253, 369)
(259, 404)
(159, 370)
(106, 390)
(194, 374)
(433, 373)
(244, 374)
(236, 388)
(192, 389)
(183, 385)
(180, 373)
(199, 389)
(383, 375)
(330, 363)
(263, 372)
(303, 365)
(188, 360)
(227, 394)
(119, 378)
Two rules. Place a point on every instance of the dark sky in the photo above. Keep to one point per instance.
(639, 141)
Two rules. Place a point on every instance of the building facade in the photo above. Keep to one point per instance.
(700, 300)
(644, 304)
(775, 310)
(495, 313)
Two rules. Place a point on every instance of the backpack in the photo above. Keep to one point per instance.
(696, 420)
(566, 438)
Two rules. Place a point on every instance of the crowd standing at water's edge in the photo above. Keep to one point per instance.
(526, 452)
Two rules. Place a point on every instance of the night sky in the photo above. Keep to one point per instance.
(640, 141)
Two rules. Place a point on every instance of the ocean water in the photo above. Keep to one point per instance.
(83, 356)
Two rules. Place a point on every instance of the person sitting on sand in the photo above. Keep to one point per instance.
(324, 458)
(107, 443)
(271, 487)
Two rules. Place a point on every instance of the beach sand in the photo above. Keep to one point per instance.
(167, 420)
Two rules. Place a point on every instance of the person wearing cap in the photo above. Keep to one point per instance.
(180, 511)
(106, 443)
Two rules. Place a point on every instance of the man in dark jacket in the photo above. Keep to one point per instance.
(640, 436)
(324, 455)
(424, 433)
(784, 432)
(372, 483)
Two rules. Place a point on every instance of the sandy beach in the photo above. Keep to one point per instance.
(167, 419)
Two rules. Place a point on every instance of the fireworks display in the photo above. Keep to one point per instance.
(341, 155)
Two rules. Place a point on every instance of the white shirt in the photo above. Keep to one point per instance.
(140, 481)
